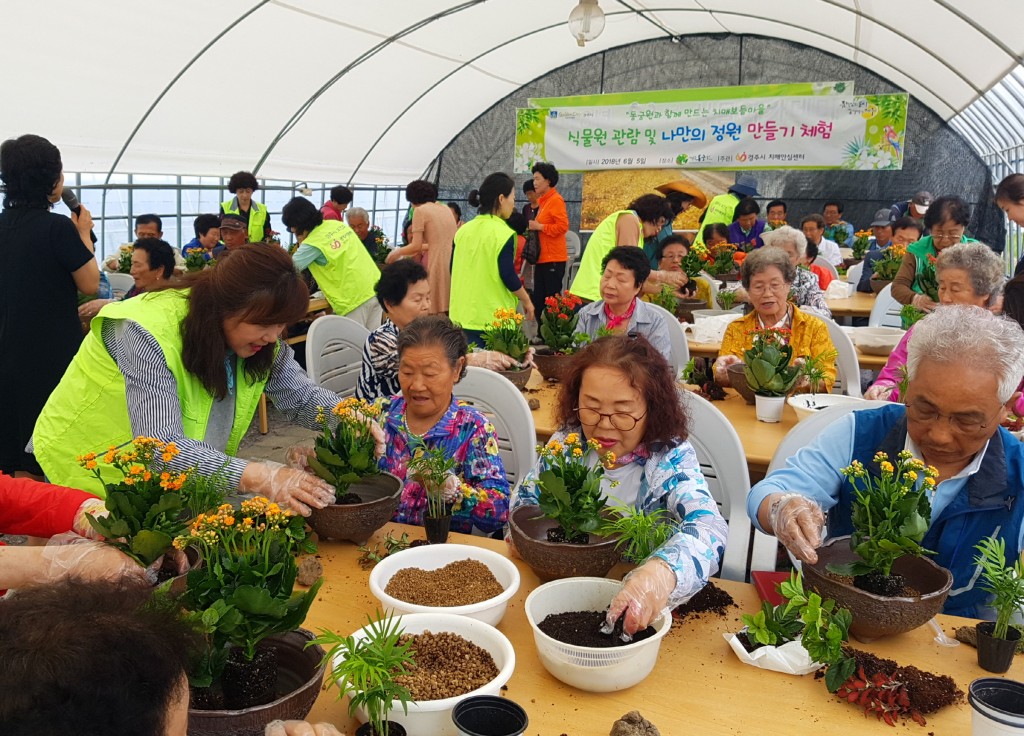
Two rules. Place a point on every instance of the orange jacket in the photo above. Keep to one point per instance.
(555, 219)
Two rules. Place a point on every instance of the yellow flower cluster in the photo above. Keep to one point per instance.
(574, 449)
(255, 515)
(503, 316)
(173, 481)
(348, 408)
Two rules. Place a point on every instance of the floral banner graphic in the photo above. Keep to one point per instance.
(863, 133)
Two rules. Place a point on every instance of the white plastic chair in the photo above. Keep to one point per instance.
(847, 362)
(570, 274)
(886, 310)
(680, 350)
(724, 465)
(572, 245)
(120, 283)
(854, 272)
(504, 406)
(819, 261)
(712, 283)
(334, 353)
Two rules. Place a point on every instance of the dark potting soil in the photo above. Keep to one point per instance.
(710, 599)
(583, 628)
(890, 586)
(927, 692)
(558, 535)
(346, 499)
(248, 683)
(419, 543)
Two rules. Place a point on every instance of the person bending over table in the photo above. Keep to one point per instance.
(188, 365)
(620, 392)
(668, 258)
(806, 289)
(767, 275)
(964, 365)
(152, 268)
(625, 270)
(968, 273)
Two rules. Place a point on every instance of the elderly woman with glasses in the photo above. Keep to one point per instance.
(620, 394)
(946, 220)
(768, 275)
(806, 291)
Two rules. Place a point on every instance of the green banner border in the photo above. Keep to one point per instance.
(695, 94)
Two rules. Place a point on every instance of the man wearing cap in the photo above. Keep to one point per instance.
(904, 231)
(234, 232)
(915, 207)
(681, 195)
(723, 207)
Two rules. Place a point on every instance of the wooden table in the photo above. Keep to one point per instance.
(710, 350)
(698, 685)
(858, 305)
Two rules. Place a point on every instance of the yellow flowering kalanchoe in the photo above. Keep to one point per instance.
(346, 453)
(505, 334)
(568, 489)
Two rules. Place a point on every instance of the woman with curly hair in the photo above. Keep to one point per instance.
(242, 184)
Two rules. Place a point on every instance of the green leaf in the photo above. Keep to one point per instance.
(149, 545)
(321, 471)
(839, 673)
(257, 601)
(328, 457)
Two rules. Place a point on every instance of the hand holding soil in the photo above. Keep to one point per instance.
(644, 594)
(797, 521)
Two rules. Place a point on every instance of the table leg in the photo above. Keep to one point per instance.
(264, 425)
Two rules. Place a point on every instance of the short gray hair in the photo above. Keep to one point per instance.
(787, 234)
(763, 259)
(959, 333)
(984, 268)
(357, 212)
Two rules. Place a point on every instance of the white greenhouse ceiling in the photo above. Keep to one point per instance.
(371, 91)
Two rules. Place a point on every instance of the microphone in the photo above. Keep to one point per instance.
(75, 206)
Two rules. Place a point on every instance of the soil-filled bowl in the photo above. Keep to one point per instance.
(686, 307)
(434, 556)
(434, 717)
(518, 377)
(874, 615)
(597, 670)
(738, 379)
(807, 405)
(554, 560)
(551, 365)
(355, 522)
(299, 676)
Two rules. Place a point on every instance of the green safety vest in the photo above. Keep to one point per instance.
(350, 274)
(922, 249)
(88, 411)
(721, 209)
(587, 284)
(477, 288)
(257, 217)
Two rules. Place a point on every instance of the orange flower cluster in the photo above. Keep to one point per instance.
(256, 516)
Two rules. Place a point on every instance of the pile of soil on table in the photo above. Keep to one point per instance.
(710, 599)
(583, 629)
(446, 665)
(459, 583)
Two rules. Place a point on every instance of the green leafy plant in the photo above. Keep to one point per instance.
(721, 259)
(558, 324)
(505, 334)
(888, 265)
(195, 260)
(365, 668)
(910, 315)
(346, 453)
(890, 514)
(370, 556)
(604, 331)
(813, 368)
(861, 241)
(772, 626)
(640, 532)
(381, 245)
(666, 299)
(826, 627)
(692, 264)
(569, 491)
(1005, 582)
(726, 299)
(768, 364)
(837, 233)
(431, 467)
(928, 280)
(124, 259)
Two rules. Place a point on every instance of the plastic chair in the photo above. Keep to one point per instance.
(680, 350)
(854, 272)
(570, 274)
(847, 362)
(724, 465)
(334, 353)
(713, 287)
(886, 310)
(120, 283)
(572, 246)
(504, 406)
(819, 261)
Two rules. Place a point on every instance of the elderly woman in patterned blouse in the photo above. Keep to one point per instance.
(431, 360)
(805, 291)
(620, 393)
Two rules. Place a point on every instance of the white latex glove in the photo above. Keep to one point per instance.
(672, 278)
(300, 728)
(90, 308)
(379, 438)
(802, 382)
(452, 488)
(644, 594)
(879, 391)
(69, 555)
(492, 360)
(721, 368)
(298, 456)
(90, 507)
(923, 302)
(296, 489)
(798, 523)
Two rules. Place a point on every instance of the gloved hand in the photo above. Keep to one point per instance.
(798, 522)
(90, 507)
(923, 302)
(297, 456)
(721, 368)
(452, 488)
(177, 563)
(644, 594)
(296, 489)
(300, 728)
(879, 391)
(677, 279)
(379, 438)
(69, 555)
(492, 360)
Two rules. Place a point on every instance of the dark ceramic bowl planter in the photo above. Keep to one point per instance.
(996, 655)
(355, 522)
(552, 366)
(394, 729)
(555, 560)
(738, 379)
(875, 616)
(178, 582)
(519, 377)
(489, 715)
(686, 307)
(878, 284)
(299, 676)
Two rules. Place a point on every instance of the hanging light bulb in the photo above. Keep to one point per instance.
(586, 21)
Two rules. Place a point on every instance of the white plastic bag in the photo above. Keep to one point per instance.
(790, 659)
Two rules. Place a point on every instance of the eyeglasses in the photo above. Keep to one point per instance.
(622, 422)
(962, 423)
(774, 287)
(947, 236)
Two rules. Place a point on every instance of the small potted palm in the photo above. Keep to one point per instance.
(997, 640)
(770, 373)
(640, 533)
(432, 468)
(558, 330)
(505, 335)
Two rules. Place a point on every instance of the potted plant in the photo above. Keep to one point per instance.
(365, 669)
(726, 299)
(883, 556)
(640, 533)
(997, 640)
(558, 330)
(382, 245)
(884, 270)
(721, 262)
(195, 261)
(561, 536)
(910, 316)
(813, 369)
(698, 372)
(431, 468)
(242, 600)
(365, 497)
(769, 372)
(124, 258)
(505, 334)
(928, 280)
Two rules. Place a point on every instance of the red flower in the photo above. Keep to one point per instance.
(563, 316)
(551, 302)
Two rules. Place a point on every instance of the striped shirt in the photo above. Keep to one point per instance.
(378, 377)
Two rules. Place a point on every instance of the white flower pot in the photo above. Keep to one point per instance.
(769, 408)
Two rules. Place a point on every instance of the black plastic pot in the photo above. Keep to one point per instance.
(394, 729)
(996, 655)
(437, 528)
(489, 715)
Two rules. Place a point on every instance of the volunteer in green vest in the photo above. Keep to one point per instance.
(723, 207)
(187, 364)
(484, 276)
(644, 218)
(242, 184)
(947, 219)
(338, 260)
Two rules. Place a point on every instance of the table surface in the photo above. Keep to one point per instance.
(858, 305)
(711, 349)
(698, 685)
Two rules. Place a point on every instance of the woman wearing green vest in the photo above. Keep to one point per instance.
(242, 184)
(947, 219)
(484, 277)
(338, 260)
(187, 364)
